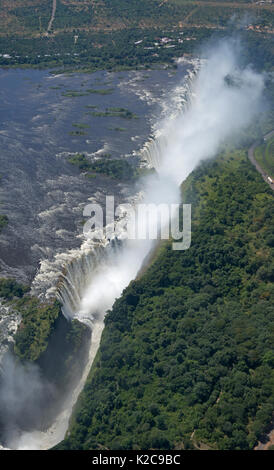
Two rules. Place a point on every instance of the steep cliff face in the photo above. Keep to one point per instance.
(87, 278)
(34, 389)
(41, 240)
(186, 354)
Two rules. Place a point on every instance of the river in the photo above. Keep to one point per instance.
(43, 195)
(183, 118)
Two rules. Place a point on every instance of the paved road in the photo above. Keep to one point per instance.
(255, 163)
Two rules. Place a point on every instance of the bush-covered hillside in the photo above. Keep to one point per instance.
(186, 357)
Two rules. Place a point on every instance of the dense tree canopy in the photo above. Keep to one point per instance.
(188, 348)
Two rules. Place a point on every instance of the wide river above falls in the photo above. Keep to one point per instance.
(44, 120)
(42, 194)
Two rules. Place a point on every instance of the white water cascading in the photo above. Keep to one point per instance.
(87, 281)
(94, 276)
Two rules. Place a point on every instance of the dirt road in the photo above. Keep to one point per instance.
(251, 157)
(52, 15)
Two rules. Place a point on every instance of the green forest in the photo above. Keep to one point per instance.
(186, 356)
(117, 35)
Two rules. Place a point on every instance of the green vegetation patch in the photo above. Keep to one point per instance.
(3, 221)
(38, 320)
(102, 91)
(115, 112)
(117, 129)
(45, 336)
(3, 218)
(74, 94)
(10, 288)
(115, 168)
(81, 125)
(77, 133)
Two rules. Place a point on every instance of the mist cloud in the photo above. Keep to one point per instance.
(226, 97)
(23, 398)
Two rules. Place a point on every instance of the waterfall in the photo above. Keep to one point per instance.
(89, 279)
(204, 113)
(69, 274)
(79, 274)
(155, 148)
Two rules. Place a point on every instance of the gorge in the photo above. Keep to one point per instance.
(214, 100)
